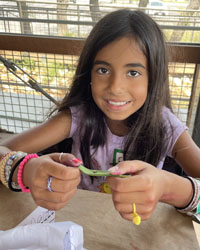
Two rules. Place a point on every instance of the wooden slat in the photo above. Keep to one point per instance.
(70, 46)
(184, 53)
(38, 44)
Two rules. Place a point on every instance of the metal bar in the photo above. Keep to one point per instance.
(90, 23)
(32, 83)
(19, 119)
(196, 130)
(33, 20)
(43, 86)
(67, 46)
(192, 107)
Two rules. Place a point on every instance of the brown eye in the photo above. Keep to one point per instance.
(102, 71)
(133, 73)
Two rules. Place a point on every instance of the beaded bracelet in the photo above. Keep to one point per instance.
(190, 206)
(3, 166)
(6, 166)
(20, 171)
(10, 161)
(12, 185)
(196, 206)
(195, 213)
(1, 158)
(193, 208)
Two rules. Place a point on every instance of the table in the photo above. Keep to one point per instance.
(103, 227)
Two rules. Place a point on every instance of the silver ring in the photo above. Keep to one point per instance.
(49, 183)
(60, 157)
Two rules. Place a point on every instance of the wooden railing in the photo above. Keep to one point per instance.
(180, 53)
(68, 46)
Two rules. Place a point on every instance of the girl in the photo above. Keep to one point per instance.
(119, 116)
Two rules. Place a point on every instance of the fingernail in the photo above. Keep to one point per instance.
(116, 173)
(76, 160)
(114, 170)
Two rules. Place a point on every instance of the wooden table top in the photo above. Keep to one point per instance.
(103, 227)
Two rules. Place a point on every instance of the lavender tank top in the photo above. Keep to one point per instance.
(111, 153)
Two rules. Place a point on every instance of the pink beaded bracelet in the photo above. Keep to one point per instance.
(20, 172)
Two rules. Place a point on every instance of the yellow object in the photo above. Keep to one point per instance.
(105, 188)
(136, 217)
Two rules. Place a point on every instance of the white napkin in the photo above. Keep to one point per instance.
(48, 236)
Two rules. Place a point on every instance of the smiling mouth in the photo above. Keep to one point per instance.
(117, 103)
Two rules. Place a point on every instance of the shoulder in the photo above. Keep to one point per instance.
(167, 113)
(76, 110)
(77, 115)
(173, 129)
(170, 120)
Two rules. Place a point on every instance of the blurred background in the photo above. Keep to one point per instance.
(40, 42)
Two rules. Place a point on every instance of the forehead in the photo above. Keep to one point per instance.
(125, 50)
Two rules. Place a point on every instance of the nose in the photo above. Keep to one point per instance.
(116, 84)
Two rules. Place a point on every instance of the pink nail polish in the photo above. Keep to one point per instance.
(116, 173)
(76, 160)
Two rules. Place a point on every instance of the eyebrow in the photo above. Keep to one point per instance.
(127, 65)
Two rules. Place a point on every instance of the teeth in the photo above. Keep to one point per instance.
(117, 103)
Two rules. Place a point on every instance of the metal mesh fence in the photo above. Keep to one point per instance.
(21, 107)
(180, 80)
(69, 19)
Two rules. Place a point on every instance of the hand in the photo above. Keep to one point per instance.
(65, 179)
(144, 188)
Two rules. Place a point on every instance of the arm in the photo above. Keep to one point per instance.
(64, 171)
(149, 185)
(43, 136)
(187, 154)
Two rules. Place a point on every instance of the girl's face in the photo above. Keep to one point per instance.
(119, 79)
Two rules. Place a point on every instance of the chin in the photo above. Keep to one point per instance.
(117, 117)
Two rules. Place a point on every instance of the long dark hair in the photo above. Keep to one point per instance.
(146, 137)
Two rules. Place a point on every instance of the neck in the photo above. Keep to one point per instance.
(118, 128)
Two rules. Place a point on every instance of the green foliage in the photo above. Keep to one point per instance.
(26, 62)
(46, 70)
(53, 69)
(58, 70)
(188, 36)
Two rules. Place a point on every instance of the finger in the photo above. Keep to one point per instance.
(123, 207)
(54, 205)
(50, 205)
(129, 216)
(66, 159)
(127, 208)
(53, 197)
(128, 167)
(58, 170)
(136, 197)
(61, 186)
(136, 183)
(64, 173)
